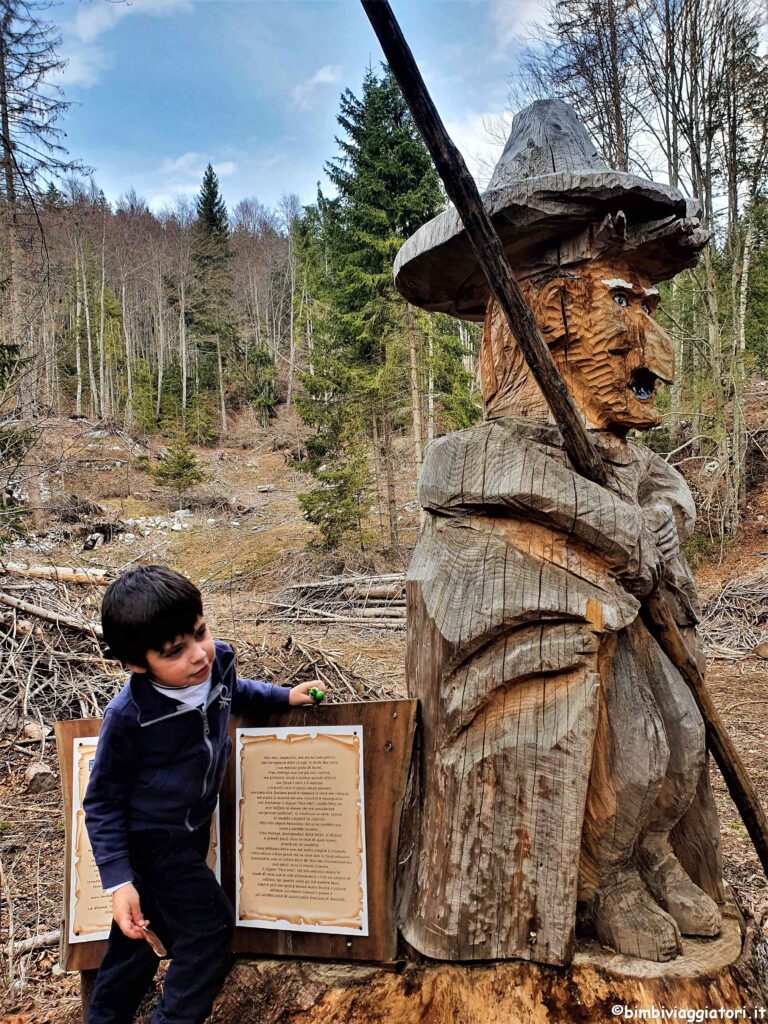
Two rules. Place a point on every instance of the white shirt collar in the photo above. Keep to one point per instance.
(194, 696)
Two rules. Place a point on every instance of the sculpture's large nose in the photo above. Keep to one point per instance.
(657, 350)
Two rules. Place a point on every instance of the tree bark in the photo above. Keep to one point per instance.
(95, 400)
(128, 360)
(12, 269)
(183, 343)
(387, 455)
(222, 396)
(103, 407)
(511, 992)
(739, 422)
(418, 443)
(78, 361)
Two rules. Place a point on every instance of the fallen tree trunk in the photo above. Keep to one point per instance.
(60, 573)
(43, 613)
(34, 942)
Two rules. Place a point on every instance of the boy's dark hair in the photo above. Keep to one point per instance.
(147, 608)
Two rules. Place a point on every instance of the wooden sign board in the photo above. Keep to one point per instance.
(387, 731)
(86, 951)
(380, 735)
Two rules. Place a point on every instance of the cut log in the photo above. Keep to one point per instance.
(61, 573)
(707, 976)
(38, 778)
(394, 590)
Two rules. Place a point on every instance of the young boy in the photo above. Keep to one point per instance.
(156, 777)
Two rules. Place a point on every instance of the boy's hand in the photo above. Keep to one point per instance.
(126, 910)
(300, 694)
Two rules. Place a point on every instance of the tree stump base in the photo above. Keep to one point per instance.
(726, 973)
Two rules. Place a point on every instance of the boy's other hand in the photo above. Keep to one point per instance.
(126, 910)
(300, 694)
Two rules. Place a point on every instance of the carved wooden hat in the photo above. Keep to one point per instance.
(554, 202)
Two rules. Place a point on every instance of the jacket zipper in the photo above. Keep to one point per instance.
(214, 695)
(209, 745)
(206, 733)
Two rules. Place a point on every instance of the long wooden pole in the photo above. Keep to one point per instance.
(462, 190)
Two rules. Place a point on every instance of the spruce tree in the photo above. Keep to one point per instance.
(386, 188)
(31, 144)
(212, 210)
(180, 469)
(210, 320)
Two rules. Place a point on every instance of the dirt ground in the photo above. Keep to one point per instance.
(243, 541)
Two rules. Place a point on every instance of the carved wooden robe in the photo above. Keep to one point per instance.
(541, 693)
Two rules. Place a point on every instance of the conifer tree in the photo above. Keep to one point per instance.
(212, 319)
(386, 188)
(211, 322)
(212, 210)
(31, 148)
(180, 469)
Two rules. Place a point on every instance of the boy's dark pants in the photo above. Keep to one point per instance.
(188, 910)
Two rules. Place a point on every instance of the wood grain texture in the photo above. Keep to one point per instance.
(552, 201)
(596, 344)
(388, 728)
(76, 956)
(708, 975)
(558, 743)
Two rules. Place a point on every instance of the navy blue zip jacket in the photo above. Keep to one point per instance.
(159, 764)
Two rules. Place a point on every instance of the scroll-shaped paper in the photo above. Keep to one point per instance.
(90, 908)
(213, 860)
(301, 830)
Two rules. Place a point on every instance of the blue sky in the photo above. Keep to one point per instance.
(161, 87)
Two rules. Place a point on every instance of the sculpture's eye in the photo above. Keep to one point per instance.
(646, 308)
(621, 300)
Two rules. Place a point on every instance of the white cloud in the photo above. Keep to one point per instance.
(84, 66)
(167, 198)
(86, 59)
(303, 94)
(183, 164)
(480, 137)
(100, 15)
(180, 177)
(195, 163)
(511, 19)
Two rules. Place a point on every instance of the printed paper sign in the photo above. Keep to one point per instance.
(90, 908)
(301, 830)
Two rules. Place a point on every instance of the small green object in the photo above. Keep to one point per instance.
(316, 695)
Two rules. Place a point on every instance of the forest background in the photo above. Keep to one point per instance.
(168, 324)
(256, 366)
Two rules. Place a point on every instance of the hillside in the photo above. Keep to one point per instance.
(243, 539)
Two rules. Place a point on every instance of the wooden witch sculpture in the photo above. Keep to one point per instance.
(562, 775)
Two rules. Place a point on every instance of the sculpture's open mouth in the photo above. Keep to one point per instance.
(642, 384)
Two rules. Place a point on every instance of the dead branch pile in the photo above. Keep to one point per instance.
(51, 665)
(368, 600)
(297, 661)
(734, 622)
